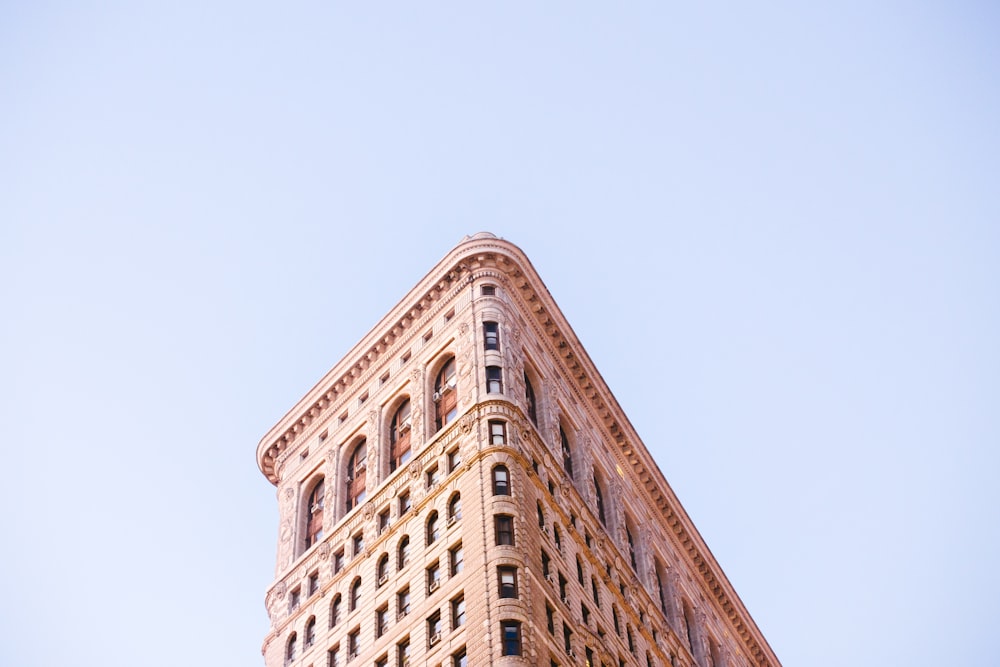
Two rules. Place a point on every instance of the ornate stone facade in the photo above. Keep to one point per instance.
(389, 562)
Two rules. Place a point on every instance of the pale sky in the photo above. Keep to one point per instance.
(774, 227)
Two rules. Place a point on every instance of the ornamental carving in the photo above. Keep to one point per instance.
(414, 469)
(324, 550)
(369, 512)
(466, 424)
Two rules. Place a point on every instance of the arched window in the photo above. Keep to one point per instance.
(445, 396)
(356, 472)
(314, 524)
(600, 502)
(292, 647)
(529, 400)
(433, 528)
(335, 610)
(399, 436)
(382, 570)
(403, 552)
(455, 508)
(310, 638)
(501, 481)
(355, 593)
(567, 454)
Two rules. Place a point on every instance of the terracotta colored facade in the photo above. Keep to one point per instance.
(463, 489)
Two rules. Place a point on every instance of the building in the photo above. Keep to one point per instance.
(463, 489)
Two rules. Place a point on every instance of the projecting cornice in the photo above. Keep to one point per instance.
(475, 256)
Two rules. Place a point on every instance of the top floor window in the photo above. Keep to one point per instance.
(567, 454)
(491, 335)
(357, 466)
(314, 527)
(445, 396)
(529, 400)
(399, 436)
(600, 501)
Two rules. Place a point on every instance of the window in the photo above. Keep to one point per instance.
(399, 436)
(292, 647)
(314, 527)
(567, 454)
(434, 628)
(501, 481)
(433, 476)
(614, 618)
(405, 503)
(579, 570)
(403, 553)
(356, 467)
(541, 515)
(488, 290)
(455, 508)
(433, 577)
(433, 528)
(491, 335)
(504, 529)
(333, 657)
(456, 559)
(310, 637)
(458, 612)
(600, 501)
(593, 591)
(403, 653)
(511, 633)
(383, 661)
(567, 638)
(498, 432)
(494, 380)
(403, 602)
(585, 614)
(357, 545)
(445, 396)
(355, 593)
(550, 618)
(335, 611)
(353, 643)
(381, 620)
(631, 641)
(529, 400)
(383, 521)
(382, 569)
(562, 589)
(546, 562)
(507, 581)
(338, 561)
(631, 547)
(459, 659)
(293, 599)
(313, 583)
(454, 460)
(557, 536)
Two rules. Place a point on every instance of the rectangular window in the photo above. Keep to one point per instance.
(313, 583)
(358, 544)
(498, 433)
(456, 559)
(433, 577)
(381, 620)
(433, 476)
(403, 602)
(460, 659)
(338, 561)
(403, 653)
(546, 561)
(333, 657)
(504, 529)
(382, 661)
(488, 290)
(550, 619)
(511, 633)
(567, 638)
(494, 380)
(405, 504)
(507, 578)
(293, 599)
(458, 612)
(354, 643)
(454, 460)
(491, 335)
(433, 629)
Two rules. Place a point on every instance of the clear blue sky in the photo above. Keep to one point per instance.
(774, 227)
